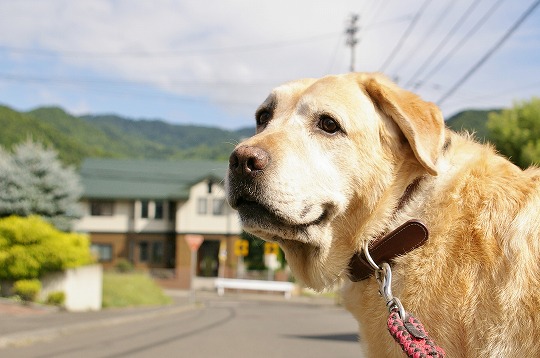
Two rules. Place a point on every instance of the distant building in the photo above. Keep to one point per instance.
(141, 210)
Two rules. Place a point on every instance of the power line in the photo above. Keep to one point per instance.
(392, 21)
(366, 5)
(186, 52)
(444, 41)
(386, 22)
(378, 10)
(405, 35)
(109, 82)
(498, 94)
(334, 55)
(105, 86)
(499, 43)
(438, 21)
(452, 52)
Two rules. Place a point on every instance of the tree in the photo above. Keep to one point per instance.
(34, 182)
(516, 132)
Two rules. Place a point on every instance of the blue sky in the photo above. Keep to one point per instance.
(212, 62)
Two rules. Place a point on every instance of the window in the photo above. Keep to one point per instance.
(158, 212)
(218, 207)
(172, 210)
(103, 252)
(144, 209)
(157, 252)
(101, 208)
(202, 206)
(143, 251)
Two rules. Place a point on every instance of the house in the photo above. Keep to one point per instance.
(141, 210)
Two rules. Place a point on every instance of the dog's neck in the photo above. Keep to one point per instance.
(386, 248)
(407, 195)
(400, 241)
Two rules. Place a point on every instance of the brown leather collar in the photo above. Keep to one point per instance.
(402, 240)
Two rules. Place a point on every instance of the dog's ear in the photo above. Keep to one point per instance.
(421, 122)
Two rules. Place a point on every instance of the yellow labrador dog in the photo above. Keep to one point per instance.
(342, 160)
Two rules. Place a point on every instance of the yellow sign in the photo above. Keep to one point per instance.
(241, 247)
(271, 248)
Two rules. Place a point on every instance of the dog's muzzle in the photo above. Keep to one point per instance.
(247, 162)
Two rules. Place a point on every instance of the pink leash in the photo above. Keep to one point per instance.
(412, 337)
(408, 332)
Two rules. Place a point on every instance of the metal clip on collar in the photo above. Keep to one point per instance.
(384, 279)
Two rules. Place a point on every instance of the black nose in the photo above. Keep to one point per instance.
(248, 161)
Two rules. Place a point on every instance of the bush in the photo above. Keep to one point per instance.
(27, 290)
(56, 298)
(123, 265)
(30, 247)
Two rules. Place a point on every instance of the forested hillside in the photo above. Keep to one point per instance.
(17, 127)
(76, 138)
(473, 121)
(109, 136)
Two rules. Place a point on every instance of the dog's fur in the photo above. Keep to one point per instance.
(475, 284)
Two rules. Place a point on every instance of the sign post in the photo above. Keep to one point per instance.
(194, 242)
(222, 258)
(271, 250)
(241, 249)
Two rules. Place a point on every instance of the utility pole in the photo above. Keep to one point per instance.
(351, 31)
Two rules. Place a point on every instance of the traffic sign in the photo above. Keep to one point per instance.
(194, 241)
(241, 247)
(271, 248)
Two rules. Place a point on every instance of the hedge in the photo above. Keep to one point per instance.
(31, 247)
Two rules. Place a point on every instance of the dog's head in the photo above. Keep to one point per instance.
(324, 158)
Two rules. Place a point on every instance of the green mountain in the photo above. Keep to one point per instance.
(108, 136)
(167, 140)
(473, 121)
(76, 138)
(18, 127)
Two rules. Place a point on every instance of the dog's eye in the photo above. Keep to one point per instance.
(328, 124)
(263, 117)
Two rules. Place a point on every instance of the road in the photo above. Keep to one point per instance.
(220, 327)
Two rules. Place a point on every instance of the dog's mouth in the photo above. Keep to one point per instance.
(262, 218)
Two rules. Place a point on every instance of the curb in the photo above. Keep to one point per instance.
(47, 334)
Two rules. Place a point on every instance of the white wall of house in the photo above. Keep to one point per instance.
(150, 223)
(119, 221)
(207, 212)
(126, 217)
(204, 212)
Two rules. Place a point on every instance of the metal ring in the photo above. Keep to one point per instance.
(386, 282)
(368, 257)
(396, 303)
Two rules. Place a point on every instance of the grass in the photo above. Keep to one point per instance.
(131, 289)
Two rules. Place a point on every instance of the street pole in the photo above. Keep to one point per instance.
(193, 267)
(240, 267)
(194, 242)
(352, 41)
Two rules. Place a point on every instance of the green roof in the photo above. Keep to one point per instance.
(146, 179)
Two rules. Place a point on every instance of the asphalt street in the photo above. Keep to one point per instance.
(230, 326)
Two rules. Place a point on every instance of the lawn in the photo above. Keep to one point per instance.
(131, 289)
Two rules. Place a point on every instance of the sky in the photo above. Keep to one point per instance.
(212, 62)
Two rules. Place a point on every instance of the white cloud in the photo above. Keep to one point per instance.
(181, 46)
